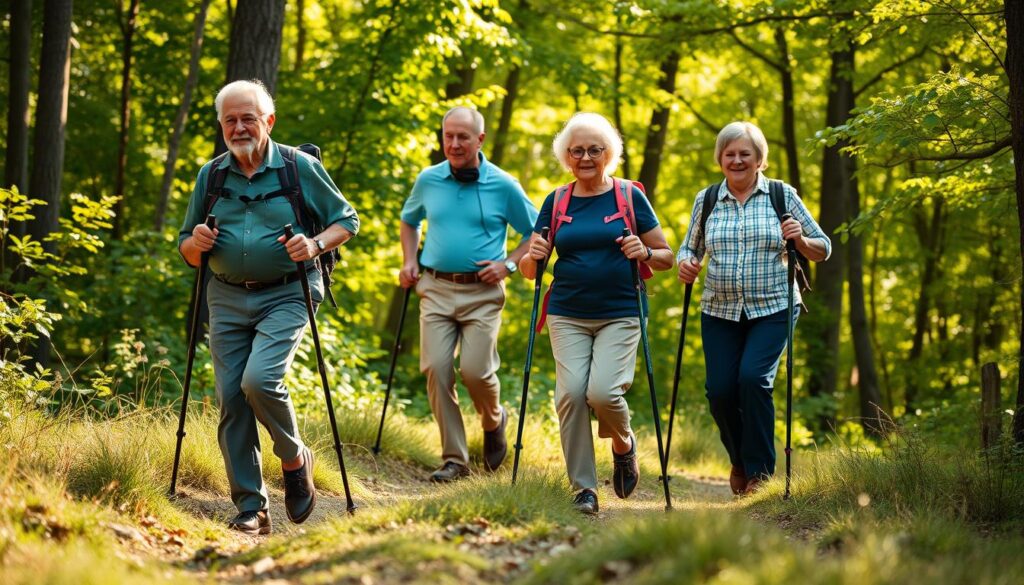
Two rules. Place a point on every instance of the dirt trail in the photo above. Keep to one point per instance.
(394, 482)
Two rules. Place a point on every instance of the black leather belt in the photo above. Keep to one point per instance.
(260, 284)
(456, 277)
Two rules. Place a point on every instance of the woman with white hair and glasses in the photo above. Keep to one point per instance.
(592, 308)
(744, 321)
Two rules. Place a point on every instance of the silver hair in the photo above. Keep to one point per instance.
(737, 130)
(475, 116)
(610, 138)
(255, 88)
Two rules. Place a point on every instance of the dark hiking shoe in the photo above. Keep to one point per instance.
(448, 472)
(252, 522)
(737, 480)
(495, 445)
(299, 492)
(627, 472)
(586, 502)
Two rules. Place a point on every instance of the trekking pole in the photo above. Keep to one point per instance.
(537, 280)
(391, 371)
(791, 277)
(193, 333)
(300, 267)
(637, 284)
(675, 379)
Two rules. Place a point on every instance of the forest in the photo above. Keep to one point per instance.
(899, 122)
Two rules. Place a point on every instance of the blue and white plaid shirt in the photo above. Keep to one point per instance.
(746, 271)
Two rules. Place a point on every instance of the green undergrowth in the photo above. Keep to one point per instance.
(727, 547)
(908, 478)
(84, 499)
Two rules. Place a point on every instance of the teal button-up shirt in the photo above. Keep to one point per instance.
(746, 271)
(468, 222)
(247, 246)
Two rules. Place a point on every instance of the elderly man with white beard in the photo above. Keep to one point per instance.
(257, 307)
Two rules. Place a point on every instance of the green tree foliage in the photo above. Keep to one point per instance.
(931, 123)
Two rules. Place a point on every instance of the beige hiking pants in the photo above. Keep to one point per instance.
(595, 360)
(460, 319)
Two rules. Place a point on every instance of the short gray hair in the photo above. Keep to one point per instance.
(610, 138)
(254, 87)
(475, 116)
(737, 130)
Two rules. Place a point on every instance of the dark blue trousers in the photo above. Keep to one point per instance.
(741, 359)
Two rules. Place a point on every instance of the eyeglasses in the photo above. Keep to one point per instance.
(578, 152)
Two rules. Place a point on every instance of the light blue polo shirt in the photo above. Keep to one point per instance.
(468, 222)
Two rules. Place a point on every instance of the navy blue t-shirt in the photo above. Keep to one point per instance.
(593, 279)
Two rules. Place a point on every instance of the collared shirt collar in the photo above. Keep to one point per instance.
(762, 187)
(484, 168)
(273, 160)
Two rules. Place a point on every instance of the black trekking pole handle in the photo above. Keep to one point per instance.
(300, 268)
(193, 333)
(679, 364)
(790, 278)
(638, 285)
(537, 282)
(391, 370)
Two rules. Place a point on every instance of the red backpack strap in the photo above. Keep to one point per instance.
(559, 207)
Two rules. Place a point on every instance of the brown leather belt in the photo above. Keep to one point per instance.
(456, 277)
(260, 284)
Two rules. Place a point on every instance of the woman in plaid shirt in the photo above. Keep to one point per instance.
(744, 305)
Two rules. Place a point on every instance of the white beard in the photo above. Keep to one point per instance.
(244, 152)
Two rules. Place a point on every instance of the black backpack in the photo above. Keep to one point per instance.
(778, 198)
(291, 189)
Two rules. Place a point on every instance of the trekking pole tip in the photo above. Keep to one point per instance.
(352, 509)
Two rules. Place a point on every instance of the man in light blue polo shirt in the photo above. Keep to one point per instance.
(468, 204)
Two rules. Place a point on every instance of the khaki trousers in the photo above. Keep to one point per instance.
(460, 319)
(595, 360)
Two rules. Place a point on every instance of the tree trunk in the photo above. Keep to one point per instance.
(16, 166)
(1014, 14)
(181, 118)
(300, 40)
(927, 235)
(827, 302)
(658, 128)
(51, 118)
(460, 85)
(617, 105)
(867, 374)
(255, 53)
(128, 35)
(788, 115)
(505, 122)
(48, 142)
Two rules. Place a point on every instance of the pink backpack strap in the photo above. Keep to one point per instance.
(559, 207)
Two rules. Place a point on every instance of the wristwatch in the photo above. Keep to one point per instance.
(512, 267)
(320, 245)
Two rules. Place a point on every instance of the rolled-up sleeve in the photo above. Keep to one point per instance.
(693, 243)
(810, 228)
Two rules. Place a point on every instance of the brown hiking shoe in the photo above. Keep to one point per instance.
(251, 522)
(495, 445)
(449, 472)
(737, 480)
(754, 485)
